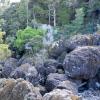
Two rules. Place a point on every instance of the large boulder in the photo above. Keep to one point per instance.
(82, 63)
(61, 94)
(53, 80)
(19, 89)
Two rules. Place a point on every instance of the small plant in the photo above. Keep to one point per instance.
(29, 38)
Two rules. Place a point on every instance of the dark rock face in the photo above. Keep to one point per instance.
(19, 89)
(83, 62)
(53, 80)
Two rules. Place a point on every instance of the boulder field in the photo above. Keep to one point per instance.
(69, 71)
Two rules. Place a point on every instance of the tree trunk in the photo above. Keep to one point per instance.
(49, 14)
(54, 15)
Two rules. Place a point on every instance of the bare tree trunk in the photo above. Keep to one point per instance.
(49, 14)
(27, 13)
(34, 16)
(54, 15)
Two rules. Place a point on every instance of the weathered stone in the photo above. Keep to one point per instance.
(57, 49)
(83, 62)
(9, 66)
(67, 45)
(68, 85)
(78, 40)
(24, 60)
(62, 94)
(53, 80)
(11, 89)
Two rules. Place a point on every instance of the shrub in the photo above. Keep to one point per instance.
(4, 52)
(29, 37)
(1, 36)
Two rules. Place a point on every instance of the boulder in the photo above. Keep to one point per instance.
(21, 71)
(11, 89)
(61, 94)
(9, 66)
(82, 40)
(51, 66)
(67, 45)
(90, 95)
(96, 39)
(82, 63)
(56, 49)
(68, 85)
(53, 80)
(11, 62)
(78, 40)
(24, 60)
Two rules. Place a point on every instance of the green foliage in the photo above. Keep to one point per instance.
(31, 37)
(77, 24)
(1, 37)
(4, 52)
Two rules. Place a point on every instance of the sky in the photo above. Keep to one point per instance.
(14, 0)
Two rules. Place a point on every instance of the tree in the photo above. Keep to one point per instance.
(29, 38)
(76, 25)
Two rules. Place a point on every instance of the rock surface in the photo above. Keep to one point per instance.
(63, 94)
(11, 89)
(83, 62)
(54, 79)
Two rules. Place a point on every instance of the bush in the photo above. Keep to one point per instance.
(29, 38)
(4, 52)
(1, 36)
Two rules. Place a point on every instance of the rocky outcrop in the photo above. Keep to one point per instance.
(19, 89)
(68, 45)
(83, 62)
